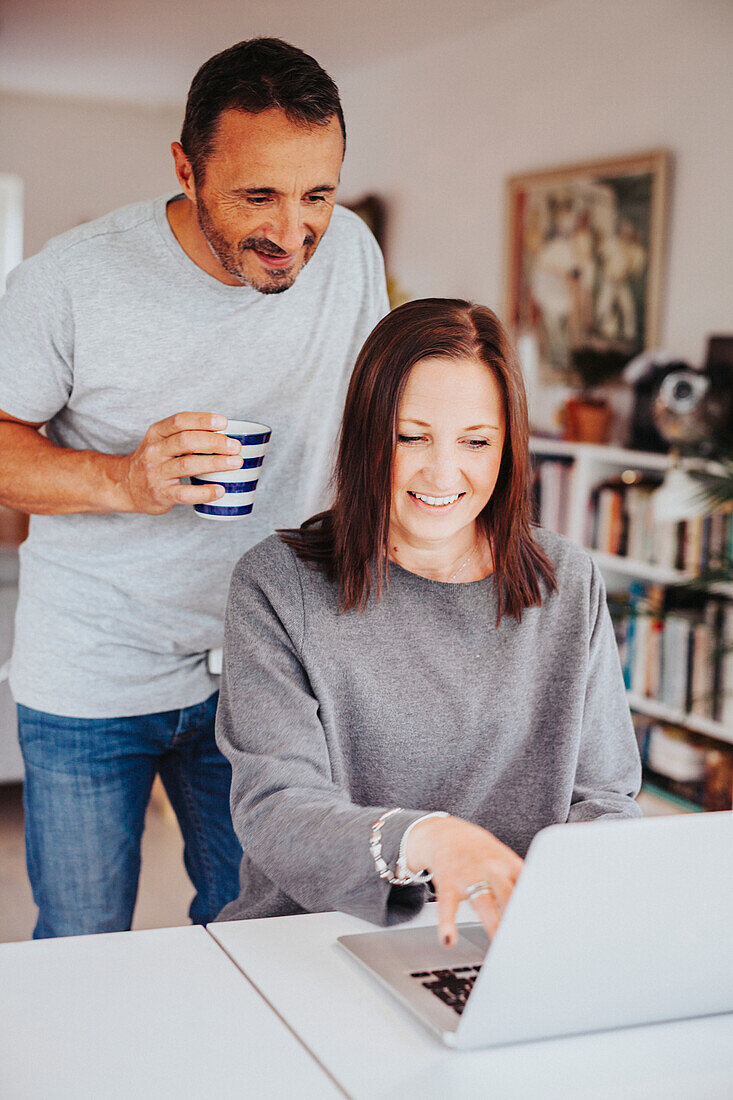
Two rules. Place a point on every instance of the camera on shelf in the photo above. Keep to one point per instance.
(677, 405)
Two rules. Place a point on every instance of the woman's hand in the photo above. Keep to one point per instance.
(459, 856)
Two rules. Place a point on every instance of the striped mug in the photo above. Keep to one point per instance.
(239, 485)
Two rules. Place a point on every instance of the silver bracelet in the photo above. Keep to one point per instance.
(375, 847)
(401, 876)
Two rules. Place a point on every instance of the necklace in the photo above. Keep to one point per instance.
(465, 562)
(457, 572)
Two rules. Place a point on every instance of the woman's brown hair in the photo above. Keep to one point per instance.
(349, 542)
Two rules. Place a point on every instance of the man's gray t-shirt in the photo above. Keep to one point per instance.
(109, 329)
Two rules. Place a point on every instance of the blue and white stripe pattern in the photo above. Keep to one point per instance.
(239, 485)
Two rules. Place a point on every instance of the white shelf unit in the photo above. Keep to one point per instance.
(693, 722)
(592, 463)
(654, 574)
(643, 570)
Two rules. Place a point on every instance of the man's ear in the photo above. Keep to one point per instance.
(184, 171)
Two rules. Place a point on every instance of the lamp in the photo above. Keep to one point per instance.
(679, 497)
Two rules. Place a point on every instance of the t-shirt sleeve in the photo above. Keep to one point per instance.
(36, 341)
(608, 770)
(293, 819)
(376, 304)
(379, 297)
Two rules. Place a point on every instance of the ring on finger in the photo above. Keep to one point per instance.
(477, 889)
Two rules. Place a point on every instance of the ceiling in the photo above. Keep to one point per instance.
(146, 51)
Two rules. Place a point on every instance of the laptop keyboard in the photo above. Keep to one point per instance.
(451, 986)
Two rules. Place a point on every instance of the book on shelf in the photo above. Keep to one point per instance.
(665, 540)
(681, 658)
(702, 675)
(685, 766)
(724, 685)
(638, 499)
(676, 631)
(620, 518)
(638, 657)
(611, 533)
(551, 491)
(621, 521)
(721, 533)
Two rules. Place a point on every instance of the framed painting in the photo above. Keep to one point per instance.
(585, 247)
(372, 210)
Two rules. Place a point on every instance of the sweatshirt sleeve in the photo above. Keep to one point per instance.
(608, 770)
(293, 820)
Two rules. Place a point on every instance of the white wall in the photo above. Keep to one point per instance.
(79, 159)
(438, 131)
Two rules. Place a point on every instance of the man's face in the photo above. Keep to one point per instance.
(267, 195)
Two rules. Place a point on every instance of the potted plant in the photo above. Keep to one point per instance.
(588, 415)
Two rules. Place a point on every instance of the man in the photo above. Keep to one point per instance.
(227, 298)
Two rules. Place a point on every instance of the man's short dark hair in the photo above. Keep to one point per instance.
(253, 76)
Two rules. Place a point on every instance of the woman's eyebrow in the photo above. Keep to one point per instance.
(473, 428)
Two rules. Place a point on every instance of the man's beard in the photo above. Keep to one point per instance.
(230, 255)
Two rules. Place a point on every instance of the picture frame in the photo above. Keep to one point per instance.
(584, 260)
(372, 209)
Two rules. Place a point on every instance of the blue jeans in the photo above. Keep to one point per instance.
(87, 787)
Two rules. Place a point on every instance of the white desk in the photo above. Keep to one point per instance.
(375, 1049)
(155, 1015)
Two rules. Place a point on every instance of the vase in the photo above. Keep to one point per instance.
(587, 421)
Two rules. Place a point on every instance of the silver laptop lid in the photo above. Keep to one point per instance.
(612, 923)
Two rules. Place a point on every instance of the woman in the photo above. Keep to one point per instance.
(416, 681)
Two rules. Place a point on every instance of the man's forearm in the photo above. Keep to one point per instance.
(40, 478)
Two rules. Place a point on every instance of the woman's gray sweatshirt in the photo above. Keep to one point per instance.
(420, 702)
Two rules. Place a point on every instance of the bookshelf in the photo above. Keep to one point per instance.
(588, 465)
(643, 570)
(570, 478)
(674, 716)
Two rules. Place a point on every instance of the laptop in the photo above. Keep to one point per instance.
(612, 924)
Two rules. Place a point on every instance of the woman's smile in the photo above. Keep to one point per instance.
(444, 503)
(450, 436)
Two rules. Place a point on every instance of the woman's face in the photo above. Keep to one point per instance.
(450, 428)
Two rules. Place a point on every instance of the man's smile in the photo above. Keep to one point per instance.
(276, 263)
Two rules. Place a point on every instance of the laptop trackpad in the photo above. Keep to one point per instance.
(476, 935)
